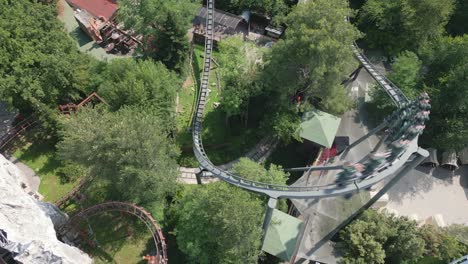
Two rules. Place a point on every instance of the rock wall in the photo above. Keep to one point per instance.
(29, 224)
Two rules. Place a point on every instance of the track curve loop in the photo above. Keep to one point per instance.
(140, 212)
(408, 110)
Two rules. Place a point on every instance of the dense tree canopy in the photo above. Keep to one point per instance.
(164, 26)
(322, 57)
(458, 23)
(40, 65)
(402, 25)
(239, 64)
(252, 170)
(218, 223)
(381, 238)
(142, 82)
(377, 238)
(446, 83)
(129, 148)
(265, 7)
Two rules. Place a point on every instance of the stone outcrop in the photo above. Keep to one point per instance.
(28, 225)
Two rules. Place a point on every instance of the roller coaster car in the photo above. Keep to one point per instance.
(375, 161)
(346, 174)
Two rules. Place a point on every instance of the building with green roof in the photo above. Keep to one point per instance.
(319, 127)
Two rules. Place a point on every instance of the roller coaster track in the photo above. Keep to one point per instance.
(71, 194)
(18, 130)
(140, 212)
(282, 191)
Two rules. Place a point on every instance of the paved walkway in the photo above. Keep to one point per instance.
(29, 177)
(425, 192)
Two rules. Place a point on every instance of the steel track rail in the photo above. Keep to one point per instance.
(140, 212)
(282, 191)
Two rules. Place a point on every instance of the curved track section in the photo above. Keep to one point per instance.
(408, 111)
(140, 212)
(392, 90)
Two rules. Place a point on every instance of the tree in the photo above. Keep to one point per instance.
(218, 223)
(406, 73)
(457, 25)
(322, 57)
(163, 25)
(446, 84)
(252, 170)
(239, 63)
(402, 25)
(440, 244)
(129, 148)
(379, 238)
(40, 66)
(143, 82)
(269, 8)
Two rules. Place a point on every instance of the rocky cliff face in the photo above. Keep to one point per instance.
(28, 225)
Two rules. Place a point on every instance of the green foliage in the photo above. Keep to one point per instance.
(218, 223)
(238, 68)
(265, 7)
(378, 238)
(40, 66)
(406, 73)
(446, 81)
(71, 171)
(458, 23)
(459, 231)
(164, 26)
(441, 245)
(129, 148)
(143, 82)
(251, 170)
(320, 39)
(402, 25)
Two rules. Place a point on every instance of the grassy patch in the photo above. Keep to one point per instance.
(40, 156)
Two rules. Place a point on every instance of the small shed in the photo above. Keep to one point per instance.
(225, 24)
(431, 160)
(449, 160)
(282, 235)
(319, 127)
(463, 156)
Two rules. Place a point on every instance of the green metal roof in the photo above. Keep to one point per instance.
(282, 234)
(319, 127)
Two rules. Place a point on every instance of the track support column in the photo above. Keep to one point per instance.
(269, 213)
(357, 142)
(420, 155)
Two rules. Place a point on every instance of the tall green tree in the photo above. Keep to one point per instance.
(440, 244)
(127, 82)
(239, 65)
(164, 26)
(406, 73)
(218, 223)
(252, 170)
(402, 25)
(129, 149)
(446, 83)
(312, 60)
(266, 7)
(458, 23)
(40, 66)
(379, 238)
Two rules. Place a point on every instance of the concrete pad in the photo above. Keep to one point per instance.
(427, 192)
